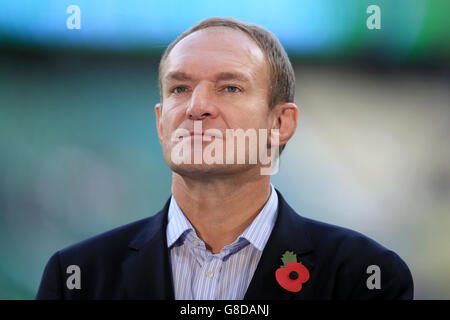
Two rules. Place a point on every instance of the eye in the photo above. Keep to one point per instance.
(232, 89)
(179, 89)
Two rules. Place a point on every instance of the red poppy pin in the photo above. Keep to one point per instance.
(292, 274)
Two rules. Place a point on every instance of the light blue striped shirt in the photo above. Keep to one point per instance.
(198, 274)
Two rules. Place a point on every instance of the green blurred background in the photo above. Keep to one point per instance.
(79, 150)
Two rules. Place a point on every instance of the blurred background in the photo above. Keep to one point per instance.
(79, 153)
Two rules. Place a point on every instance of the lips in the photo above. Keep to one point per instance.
(192, 133)
(202, 134)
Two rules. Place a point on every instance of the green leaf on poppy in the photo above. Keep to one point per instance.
(287, 257)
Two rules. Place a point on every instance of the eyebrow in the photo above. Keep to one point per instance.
(232, 76)
(222, 76)
(177, 75)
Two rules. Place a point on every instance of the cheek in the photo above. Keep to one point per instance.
(170, 124)
(245, 112)
(170, 121)
(251, 118)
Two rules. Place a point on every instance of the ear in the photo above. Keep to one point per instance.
(285, 119)
(158, 113)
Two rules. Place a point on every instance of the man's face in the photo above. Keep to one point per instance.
(218, 76)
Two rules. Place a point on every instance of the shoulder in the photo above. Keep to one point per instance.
(353, 257)
(341, 240)
(112, 243)
(99, 259)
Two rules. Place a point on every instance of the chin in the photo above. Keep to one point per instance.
(208, 171)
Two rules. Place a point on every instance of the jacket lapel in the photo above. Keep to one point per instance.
(289, 234)
(147, 271)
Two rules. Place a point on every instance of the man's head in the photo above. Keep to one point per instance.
(228, 75)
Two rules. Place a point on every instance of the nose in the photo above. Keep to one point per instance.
(202, 103)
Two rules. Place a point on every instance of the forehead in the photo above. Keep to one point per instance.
(217, 49)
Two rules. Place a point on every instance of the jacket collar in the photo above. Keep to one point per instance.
(289, 234)
(147, 271)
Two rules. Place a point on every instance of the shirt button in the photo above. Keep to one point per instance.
(195, 242)
(209, 274)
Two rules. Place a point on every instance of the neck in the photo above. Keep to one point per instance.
(220, 209)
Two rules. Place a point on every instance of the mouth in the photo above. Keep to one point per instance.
(199, 134)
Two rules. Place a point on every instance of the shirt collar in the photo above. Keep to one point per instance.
(178, 224)
(257, 233)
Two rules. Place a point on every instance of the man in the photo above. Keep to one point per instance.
(226, 232)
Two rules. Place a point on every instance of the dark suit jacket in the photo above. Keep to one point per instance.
(133, 262)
